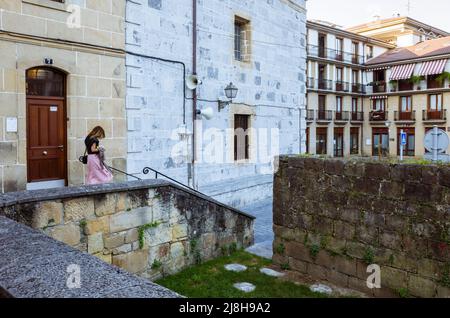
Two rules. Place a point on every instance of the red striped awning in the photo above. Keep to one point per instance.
(400, 72)
(378, 97)
(432, 67)
(369, 69)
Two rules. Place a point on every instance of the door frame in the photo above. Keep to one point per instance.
(65, 120)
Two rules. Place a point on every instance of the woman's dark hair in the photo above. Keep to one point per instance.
(97, 132)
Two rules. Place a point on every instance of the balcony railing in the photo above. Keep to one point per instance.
(310, 115)
(335, 55)
(378, 116)
(357, 116)
(439, 115)
(324, 115)
(378, 87)
(341, 86)
(338, 86)
(311, 83)
(405, 116)
(342, 116)
(358, 88)
(325, 84)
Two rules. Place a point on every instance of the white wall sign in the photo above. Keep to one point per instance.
(11, 124)
(368, 142)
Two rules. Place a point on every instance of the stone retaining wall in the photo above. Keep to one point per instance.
(151, 228)
(333, 218)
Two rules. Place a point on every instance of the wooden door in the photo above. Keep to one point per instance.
(46, 139)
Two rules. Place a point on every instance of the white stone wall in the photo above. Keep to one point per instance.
(272, 83)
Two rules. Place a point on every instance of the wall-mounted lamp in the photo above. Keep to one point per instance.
(231, 92)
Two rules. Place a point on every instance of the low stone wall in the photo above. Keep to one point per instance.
(151, 228)
(333, 218)
(33, 265)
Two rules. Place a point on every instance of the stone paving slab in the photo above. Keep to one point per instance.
(245, 287)
(235, 268)
(33, 265)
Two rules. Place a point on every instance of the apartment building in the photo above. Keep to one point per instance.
(62, 72)
(363, 91)
(336, 88)
(400, 31)
(409, 90)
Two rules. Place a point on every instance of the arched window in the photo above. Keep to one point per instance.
(45, 82)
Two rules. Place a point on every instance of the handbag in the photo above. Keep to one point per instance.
(84, 159)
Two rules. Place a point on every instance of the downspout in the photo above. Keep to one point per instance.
(194, 100)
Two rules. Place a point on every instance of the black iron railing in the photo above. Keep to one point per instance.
(158, 174)
(124, 173)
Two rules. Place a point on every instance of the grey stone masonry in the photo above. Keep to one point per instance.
(33, 265)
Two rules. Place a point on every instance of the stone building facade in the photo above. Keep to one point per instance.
(259, 46)
(62, 72)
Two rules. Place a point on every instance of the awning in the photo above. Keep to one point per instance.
(369, 69)
(400, 72)
(432, 67)
(378, 97)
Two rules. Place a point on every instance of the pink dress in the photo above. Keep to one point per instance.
(97, 173)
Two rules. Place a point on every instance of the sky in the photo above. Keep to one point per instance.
(348, 13)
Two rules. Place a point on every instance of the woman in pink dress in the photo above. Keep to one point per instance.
(97, 171)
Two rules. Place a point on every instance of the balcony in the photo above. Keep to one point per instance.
(341, 86)
(405, 116)
(434, 116)
(342, 117)
(324, 116)
(325, 84)
(378, 87)
(357, 117)
(358, 88)
(335, 55)
(310, 115)
(378, 116)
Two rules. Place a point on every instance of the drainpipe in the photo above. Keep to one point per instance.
(194, 100)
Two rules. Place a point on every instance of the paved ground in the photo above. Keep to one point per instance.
(263, 228)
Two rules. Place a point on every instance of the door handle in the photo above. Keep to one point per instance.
(45, 153)
(61, 147)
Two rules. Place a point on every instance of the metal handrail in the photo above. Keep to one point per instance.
(157, 173)
(123, 172)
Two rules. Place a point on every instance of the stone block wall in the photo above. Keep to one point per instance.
(91, 55)
(149, 228)
(273, 79)
(333, 218)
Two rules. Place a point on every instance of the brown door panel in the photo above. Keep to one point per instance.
(46, 140)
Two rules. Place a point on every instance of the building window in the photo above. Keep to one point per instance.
(369, 52)
(435, 103)
(379, 105)
(355, 52)
(321, 141)
(339, 142)
(241, 39)
(338, 104)
(339, 74)
(405, 104)
(355, 77)
(354, 141)
(339, 56)
(355, 107)
(410, 149)
(241, 137)
(380, 142)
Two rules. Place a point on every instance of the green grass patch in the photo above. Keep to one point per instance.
(211, 280)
